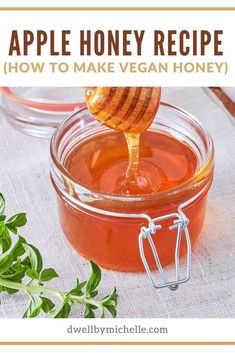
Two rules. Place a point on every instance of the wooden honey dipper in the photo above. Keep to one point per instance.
(127, 109)
(130, 110)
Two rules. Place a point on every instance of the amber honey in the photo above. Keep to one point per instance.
(126, 109)
(89, 164)
(130, 110)
(100, 163)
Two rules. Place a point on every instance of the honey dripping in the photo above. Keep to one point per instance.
(130, 110)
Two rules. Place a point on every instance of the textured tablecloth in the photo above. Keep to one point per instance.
(24, 180)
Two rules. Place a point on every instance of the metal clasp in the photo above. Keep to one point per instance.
(181, 224)
(146, 233)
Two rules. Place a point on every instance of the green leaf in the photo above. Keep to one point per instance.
(6, 263)
(34, 257)
(34, 307)
(93, 294)
(15, 276)
(32, 274)
(2, 204)
(112, 310)
(5, 241)
(17, 266)
(64, 312)
(2, 218)
(26, 262)
(93, 307)
(11, 291)
(112, 298)
(94, 279)
(77, 289)
(2, 228)
(2, 289)
(48, 274)
(18, 220)
(47, 304)
(8, 290)
(18, 249)
(110, 302)
(89, 313)
(12, 228)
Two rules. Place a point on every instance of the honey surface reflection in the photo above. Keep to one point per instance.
(100, 163)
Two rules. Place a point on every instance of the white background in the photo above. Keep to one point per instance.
(113, 3)
(117, 349)
(189, 330)
(94, 20)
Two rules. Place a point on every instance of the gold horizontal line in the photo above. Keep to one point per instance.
(54, 343)
(117, 8)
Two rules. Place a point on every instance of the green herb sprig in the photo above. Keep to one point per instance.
(21, 269)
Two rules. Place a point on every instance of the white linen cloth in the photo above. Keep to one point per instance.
(25, 183)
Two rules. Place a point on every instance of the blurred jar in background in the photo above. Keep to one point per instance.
(37, 111)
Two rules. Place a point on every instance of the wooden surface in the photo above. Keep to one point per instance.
(228, 103)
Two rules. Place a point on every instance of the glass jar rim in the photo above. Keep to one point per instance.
(60, 169)
(44, 106)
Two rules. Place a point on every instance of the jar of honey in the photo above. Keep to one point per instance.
(133, 231)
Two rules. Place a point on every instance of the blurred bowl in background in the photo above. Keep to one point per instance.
(37, 111)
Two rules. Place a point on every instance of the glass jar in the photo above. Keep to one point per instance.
(37, 111)
(133, 233)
